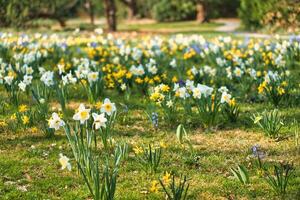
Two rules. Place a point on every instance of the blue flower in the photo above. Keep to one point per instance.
(257, 152)
(154, 119)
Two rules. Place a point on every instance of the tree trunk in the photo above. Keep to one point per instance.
(132, 9)
(90, 9)
(110, 11)
(200, 12)
(61, 22)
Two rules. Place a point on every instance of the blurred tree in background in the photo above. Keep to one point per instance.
(132, 8)
(19, 12)
(178, 10)
(111, 14)
(255, 14)
(274, 15)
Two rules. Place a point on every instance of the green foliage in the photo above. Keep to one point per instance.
(208, 111)
(280, 177)
(175, 10)
(241, 174)
(281, 14)
(181, 133)
(296, 132)
(183, 138)
(18, 13)
(231, 112)
(221, 8)
(252, 11)
(178, 9)
(176, 190)
(150, 158)
(101, 183)
(270, 122)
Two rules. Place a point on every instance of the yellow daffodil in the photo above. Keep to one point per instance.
(154, 186)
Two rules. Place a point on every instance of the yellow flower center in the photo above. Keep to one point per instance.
(83, 114)
(108, 107)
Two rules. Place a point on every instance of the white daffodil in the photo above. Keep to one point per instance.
(64, 161)
(27, 79)
(225, 97)
(205, 90)
(189, 85)
(238, 72)
(108, 107)
(173, 63)
(55, 121)
(93, 77)
(169, 103)
(9, 79)
(29, 70)
(196, 93)
(47, 78)
(123, 87)
(223, 89)
(99, 120)
(182, 92)
(82, 114)
(22, 86)
(61, 68)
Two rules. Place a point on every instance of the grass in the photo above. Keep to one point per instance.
(29, 167)
(170, 27)
(185, 27)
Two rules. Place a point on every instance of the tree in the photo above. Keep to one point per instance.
(19, 13)
(110, 12)
(89, 7)
(201, 14)
(132, 8)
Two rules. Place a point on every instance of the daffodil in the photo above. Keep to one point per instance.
(138, 150)
(64, 161)
(123, 87)
(169, 103)
(225, 97)
(154, 186)
(23, 108)
(167, 178)
(25, 120)
(82, 114)
(55, 121)
(257, 119)
(99, 120)
(196, 93)
(108, 107)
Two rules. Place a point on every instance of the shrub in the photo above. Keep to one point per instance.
(174, 10)
(19, 13)
(272, 14)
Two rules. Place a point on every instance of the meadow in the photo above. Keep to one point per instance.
(89, 115)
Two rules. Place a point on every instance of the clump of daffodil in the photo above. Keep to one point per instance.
(154, 186)
(273, 88)
(138, 150)
(25, 120)
(23, 108)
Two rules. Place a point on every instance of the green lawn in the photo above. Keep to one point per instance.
(186, 27)
(29, 167)
(171, 27)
